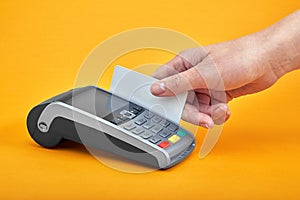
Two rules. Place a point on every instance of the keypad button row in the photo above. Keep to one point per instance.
(148, 124)
(156, 119)
(154, 133)
(172, 140)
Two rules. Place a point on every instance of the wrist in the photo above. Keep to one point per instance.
(281, 44)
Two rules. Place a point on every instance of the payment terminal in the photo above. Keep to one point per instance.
(101, 120)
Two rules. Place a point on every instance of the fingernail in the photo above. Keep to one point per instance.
(228, 112)
(222, 109)
(158, 88)
(209, 125)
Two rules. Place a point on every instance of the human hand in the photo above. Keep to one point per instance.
(216, 74)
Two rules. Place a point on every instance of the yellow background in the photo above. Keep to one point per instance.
(43, 44)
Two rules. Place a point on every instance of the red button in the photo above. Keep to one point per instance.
(164, 144)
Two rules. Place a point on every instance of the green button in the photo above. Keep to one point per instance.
(181, 133)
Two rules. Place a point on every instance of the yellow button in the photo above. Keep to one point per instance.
(174, 138)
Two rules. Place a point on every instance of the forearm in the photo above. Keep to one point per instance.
(281, 43)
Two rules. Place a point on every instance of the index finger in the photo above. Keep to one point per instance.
(170, 68)
(181, 62)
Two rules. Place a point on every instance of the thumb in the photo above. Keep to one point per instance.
(179, 83)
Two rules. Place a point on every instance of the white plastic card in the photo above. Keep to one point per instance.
(135, 87)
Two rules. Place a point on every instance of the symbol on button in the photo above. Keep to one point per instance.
(129, 126)
(174, 138)
(181, 133)
(172, 127)
(165, 134)
(154, 140)
(146, 135)
(156, 129)
(148, 115)
(156, 119)
(164, 144)
(127, 114)
(148, 125)
(139, 130)
(140, 121)
(164, 123)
